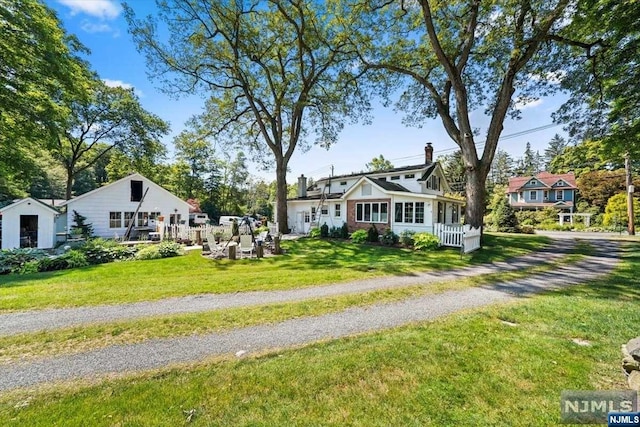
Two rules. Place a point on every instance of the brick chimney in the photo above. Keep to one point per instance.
(302, 186)
(428, 153)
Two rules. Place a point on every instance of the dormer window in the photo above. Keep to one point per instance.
(343, 182)
(534, 182)
(409, 176)
(395, 177)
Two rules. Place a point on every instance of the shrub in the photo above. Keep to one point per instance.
(324, 231)
(12, 260)
(504, 217)
(28, 267)
(359, 236)
(335, 232)
(406, 237)
(372, 234)
(344, 231)
(72, 259)
(100, 251)
(149, 252)
(527, 229)
(314, 232)
(425, 242)
(170, 249)
(389, 238)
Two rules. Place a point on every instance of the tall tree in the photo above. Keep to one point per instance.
(454, 170)
(197, 153)
(584, 157)
(39, 62)
(556, 146)
(276, 72)
(502, 168)
(111, 117)
(457, 56)
(379, 164)
(605, 101)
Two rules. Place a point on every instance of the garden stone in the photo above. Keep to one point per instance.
(630, 364)
(634, 380)
(633, 347)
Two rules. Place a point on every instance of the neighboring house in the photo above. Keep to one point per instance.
(30, 223)
(110, 209)
(542, 191)
(404, 198)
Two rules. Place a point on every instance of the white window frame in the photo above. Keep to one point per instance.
(115, 216)
(533, 195)
(337, 210)
(324, 210)
(559, 195)
(409, 219)
(363, 207)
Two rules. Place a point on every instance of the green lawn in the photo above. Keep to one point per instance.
(502, 366)
(77, 339)
(308, 262)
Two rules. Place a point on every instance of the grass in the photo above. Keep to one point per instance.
(308, 262)
(502, 366)
(88, 337)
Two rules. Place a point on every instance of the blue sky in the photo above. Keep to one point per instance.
(100, 25)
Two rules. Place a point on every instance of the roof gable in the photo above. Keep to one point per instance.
(545, 178)
(27, 200)
(133, 176)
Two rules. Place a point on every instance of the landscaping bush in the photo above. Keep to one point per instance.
(324, 231)
(72, 259)
(425, 242)
(100, 251)
(389, 238)
(504, 217)
(149, 252)
(13, 260)
(336, 233)
(527, 229)
(359, 236)
(406, 237)
(372, 234)
(170, 249)
(314, 232)
(344, 231)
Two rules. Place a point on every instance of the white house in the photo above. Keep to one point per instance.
(29, 223)
(110, 209)
(404, 198)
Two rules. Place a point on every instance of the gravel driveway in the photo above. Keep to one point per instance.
(162, 352)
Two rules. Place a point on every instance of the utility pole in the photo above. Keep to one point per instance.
(631, 228)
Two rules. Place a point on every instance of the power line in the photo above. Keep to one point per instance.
(481, 143)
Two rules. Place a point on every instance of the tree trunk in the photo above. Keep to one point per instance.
(68, 190)
(281, 196)
(476, 192)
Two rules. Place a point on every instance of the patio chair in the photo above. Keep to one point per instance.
(246, 245)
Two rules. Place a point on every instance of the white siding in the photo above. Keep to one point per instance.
(117, 198)
(11, 225)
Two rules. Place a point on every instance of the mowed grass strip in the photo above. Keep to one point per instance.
(501, 366)
(308, 262)
(31, 346)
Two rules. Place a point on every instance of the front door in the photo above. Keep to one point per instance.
(28, 231)
(299, 222)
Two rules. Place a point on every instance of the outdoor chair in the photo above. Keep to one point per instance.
(246, 245)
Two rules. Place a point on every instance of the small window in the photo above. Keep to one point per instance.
(395, 178)
(128, 218)
(534, 182)
(533, 195)
(136, 191)
(383, 178)
(366, 189)
(559, 195)
(115, 219)
(306, 217)
(313, 213)
(409, 176)
(336, 210)
(324, 210)
(343, 182)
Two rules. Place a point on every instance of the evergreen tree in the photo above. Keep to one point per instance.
(557, 144)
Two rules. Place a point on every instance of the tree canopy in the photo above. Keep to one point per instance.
(452, 58)
(379, 164)
(276, 73)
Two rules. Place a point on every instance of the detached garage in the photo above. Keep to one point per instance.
(28, 223)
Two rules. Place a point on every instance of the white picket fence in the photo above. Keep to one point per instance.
(458, 236)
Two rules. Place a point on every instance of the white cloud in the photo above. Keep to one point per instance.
(120, 83)
(104, 9)
(91, 27)
(521, 104)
